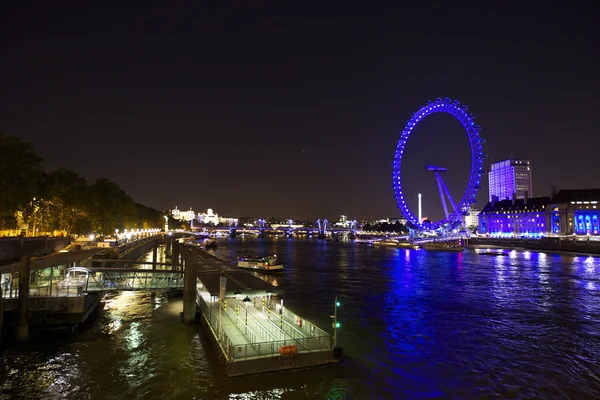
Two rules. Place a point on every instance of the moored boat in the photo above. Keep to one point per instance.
(264, 264)
(443, 246)
(395, 243)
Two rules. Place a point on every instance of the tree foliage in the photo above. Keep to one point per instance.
(62, 200)
(21, 175)
(396, 227)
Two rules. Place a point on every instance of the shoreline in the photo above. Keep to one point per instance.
(522, 249)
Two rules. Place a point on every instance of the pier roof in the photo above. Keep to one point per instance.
(54, 259)
(211, 268)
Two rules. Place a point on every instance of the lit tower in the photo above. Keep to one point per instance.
(420, 210)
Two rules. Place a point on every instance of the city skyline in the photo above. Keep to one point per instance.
(287, 111)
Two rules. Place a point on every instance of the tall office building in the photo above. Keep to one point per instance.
(510, 176)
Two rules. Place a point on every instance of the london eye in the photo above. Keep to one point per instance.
(455, 214)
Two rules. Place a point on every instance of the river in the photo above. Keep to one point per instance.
(415, 325)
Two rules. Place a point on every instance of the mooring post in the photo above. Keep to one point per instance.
(1, 313)
(24, 281)
(154, 255)
(190, 276)
(168, 243)
(175, 256)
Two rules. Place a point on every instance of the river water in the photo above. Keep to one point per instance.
(415, 325)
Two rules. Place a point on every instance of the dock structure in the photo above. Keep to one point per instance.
(253, 331)
(57, 294)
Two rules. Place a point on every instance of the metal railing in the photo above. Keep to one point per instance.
(269, 349)
(274, 332)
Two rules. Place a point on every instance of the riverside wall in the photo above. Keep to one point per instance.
(12, 248)
(545, 244)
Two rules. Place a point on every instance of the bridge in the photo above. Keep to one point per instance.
(322, 228)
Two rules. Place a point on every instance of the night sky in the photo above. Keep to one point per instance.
(293, 109)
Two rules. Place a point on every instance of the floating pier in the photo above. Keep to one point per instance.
(252, 329)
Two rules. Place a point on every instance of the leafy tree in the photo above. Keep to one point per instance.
(111, 207)
(22, 173)
(67, 201)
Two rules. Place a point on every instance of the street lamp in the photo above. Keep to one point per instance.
(246, 301)
(269, 304)
(237, 294)
(281, 314)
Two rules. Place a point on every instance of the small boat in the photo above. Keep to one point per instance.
(210, 244)
(443, 246)
(264, 264)
(395, 243)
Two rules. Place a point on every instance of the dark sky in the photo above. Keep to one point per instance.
(293, 109)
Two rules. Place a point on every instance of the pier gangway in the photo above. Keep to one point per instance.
(128, 279)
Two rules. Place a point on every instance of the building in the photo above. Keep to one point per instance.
(575, 212)
(183, 215)
(510, 176)
(400, 220)
(212, 218)
(472, 219)
(345, 223)
(567, 212)
(515, 218)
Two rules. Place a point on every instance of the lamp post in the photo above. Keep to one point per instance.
(336, 324)
(281, 314)
(269, 304)
(237, 294)
(246, 301)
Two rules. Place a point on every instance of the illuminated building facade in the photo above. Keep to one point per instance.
(576, 212)
(567, 212)
(183, 215)
(510, 176)
(516, 217)
(345, 223)
(212, 218)
(473, 218)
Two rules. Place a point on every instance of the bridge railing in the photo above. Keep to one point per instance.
(53, 290)
(138, 280)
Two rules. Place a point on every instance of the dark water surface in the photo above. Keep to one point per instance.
(415, 325)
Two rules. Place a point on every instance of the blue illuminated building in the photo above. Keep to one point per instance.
(515, 218)
(576, 212)
(567, 212)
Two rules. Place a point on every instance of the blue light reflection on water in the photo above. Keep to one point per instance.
(415, 324)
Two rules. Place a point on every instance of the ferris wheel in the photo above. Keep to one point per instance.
(460, 209)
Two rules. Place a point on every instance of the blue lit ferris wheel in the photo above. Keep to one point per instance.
(458, 210)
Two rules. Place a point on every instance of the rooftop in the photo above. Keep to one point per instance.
(211, 268)
(534, 203)
(566, 196)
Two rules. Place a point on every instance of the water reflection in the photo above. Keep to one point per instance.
(415, 324)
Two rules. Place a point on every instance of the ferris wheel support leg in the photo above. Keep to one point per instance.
(454, 206)
(441, 189)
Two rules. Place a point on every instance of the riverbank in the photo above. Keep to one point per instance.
(553, 245)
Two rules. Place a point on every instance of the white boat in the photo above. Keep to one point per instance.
(443, 246)
(264, 264)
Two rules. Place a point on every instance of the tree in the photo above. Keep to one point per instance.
(22, 173)
(67, 201)
(111, 207)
